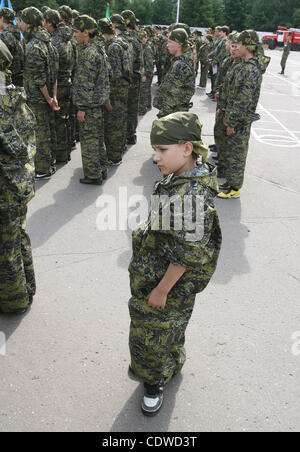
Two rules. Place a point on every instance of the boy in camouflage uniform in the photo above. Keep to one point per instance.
(17, 149)
(204, 51)
(10, 35)
(118, 56)
(178, 86)
(238, 109)
(138, 70)
(171, 262)
(61, 37)
(90, 95)
(145, 102)
(40, 83)
(286, 52)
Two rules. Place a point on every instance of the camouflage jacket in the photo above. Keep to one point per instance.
(61, 39)
(41, 66)
(221, 74)
(221, 53)
(178, 86)
(138, 67)
(186, 200)
(287, 48)
(17, 150)
(91, 86)
(149, 57)
(117, 51)
(241, 93)
(12, 38)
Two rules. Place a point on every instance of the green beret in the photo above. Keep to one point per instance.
(250, 39)
(179, 128)
(106, 27)
(8, 15)
(85, 22)
(118, 21)
(5, 57)
(66, 13)
(32, 16)
(52, 16)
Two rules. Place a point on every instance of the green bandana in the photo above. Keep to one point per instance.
(179, 128)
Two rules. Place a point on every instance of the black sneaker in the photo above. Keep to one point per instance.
(88, 181)
(152, 400)
(42, 176)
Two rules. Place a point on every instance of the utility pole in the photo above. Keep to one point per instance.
(178, 10)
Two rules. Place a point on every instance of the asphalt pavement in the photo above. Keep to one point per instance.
(63, 365)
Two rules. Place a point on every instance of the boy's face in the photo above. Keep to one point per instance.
(173, 47)
(174, 158)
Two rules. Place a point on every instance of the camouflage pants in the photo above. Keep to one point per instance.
(93, 152)
(284, 60)
(133, 106)
(45, 137)
(145, 103)
(115, 123)
(221, 143)
(17, 281)
(63, 124)
(204, 74)
(169, 111)
(157, 338)
(236, 156)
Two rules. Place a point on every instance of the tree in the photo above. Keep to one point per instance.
(236, 13)
(164, 12)
(197, 13)
(143, 10)
(296, 18)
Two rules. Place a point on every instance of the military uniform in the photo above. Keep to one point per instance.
(61, 39)
(41, 68)
(285, 55)
(157, 336)
(115, 121)
(90, 93)
(204, 50)
(145, 102)
(178, 86)
(11, 36)
(17, 149)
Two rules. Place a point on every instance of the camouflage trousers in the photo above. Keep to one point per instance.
(17, 280)
(63, 124)
(145, 103)
(45, 137)
(157, 338)
(236, 155)
(220, 134)
(284, 60)
(133, 106)
(204, 74)
(115, 123)
(168, 111)
(93, 152)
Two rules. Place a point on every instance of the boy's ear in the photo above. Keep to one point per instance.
(189, 147)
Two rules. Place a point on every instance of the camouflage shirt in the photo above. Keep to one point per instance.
(41, 66)
(138, 67)
(91, 86)
(119, 59)
(241, 93)
(17, 150)
(155, 248)
(149, 57)
(12, 38)
(61, 39)
(178, 86)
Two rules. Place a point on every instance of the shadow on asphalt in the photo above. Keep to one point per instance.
(131, 418)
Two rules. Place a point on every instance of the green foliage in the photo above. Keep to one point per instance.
(296, 18)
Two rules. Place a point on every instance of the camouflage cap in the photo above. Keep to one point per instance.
(32, 16)
(250, 39)
(85, 22)
(179, 128)
(106, 26)
(66, 13)
(233, 37)
(150, 31)
(142, 34)
(118, 21)
(75, 13)
(180, 25)
(8, 15)
(5, 56)
(44, 8)
(52, 16)
(129, 18)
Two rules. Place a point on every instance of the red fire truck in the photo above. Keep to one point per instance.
(281, 37)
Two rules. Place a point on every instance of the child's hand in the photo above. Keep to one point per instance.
(157, 299)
